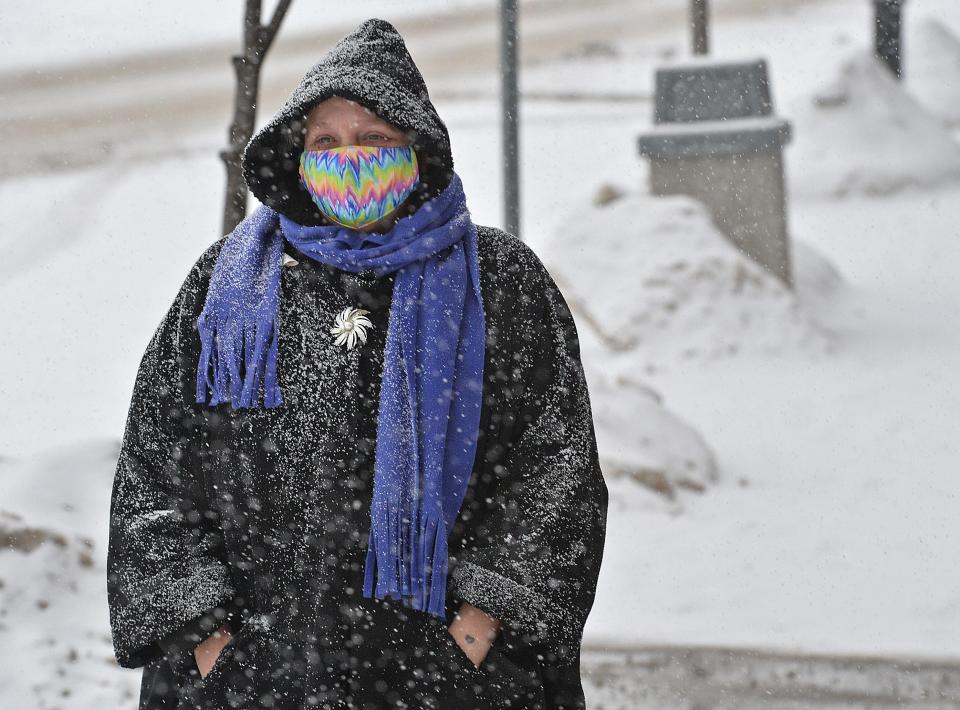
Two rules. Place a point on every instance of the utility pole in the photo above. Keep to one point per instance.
(887, 34)
(509, 100)
(700, 24)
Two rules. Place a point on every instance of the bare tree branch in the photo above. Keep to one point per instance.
(268, 32)
(251, 25)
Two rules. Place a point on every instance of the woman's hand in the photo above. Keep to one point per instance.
(208, 650)
(474, 631)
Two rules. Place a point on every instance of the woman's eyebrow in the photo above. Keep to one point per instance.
(379, 126)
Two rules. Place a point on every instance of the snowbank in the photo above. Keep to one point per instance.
(655, 286)
(641, 442)
(52, 588)
(864, 134)
(830, 527)
(655, 277)
(932, 69)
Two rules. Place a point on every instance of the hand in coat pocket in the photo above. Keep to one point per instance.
(208, 650)
(474, 631)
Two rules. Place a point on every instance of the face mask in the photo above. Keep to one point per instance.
(355, 185)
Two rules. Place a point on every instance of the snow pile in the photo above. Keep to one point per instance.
(641, 442)
(653, 276)
(932, 69)
(817, 281)
(654, 286)
(53, 610)
(864, 134)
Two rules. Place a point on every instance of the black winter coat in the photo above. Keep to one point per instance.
(259, 517)
(265, 513)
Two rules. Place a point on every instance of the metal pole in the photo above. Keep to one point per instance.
(509, 100)
(700, 23)
(887, 26)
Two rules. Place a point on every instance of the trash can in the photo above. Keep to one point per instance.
(715, 138)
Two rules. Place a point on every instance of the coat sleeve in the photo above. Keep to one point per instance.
(167, 579)
(537, 552)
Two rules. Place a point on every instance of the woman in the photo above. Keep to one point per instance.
(359, 467)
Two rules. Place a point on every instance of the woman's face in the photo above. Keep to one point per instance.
(338, 121)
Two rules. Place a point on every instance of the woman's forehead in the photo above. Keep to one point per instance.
(337, 108)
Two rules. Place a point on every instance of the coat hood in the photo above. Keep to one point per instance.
(372, 67)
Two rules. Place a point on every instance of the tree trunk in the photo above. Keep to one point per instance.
(241, 130)
(699, 22)
(257, 41)
(887, 32)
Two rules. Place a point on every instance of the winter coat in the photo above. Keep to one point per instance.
(259, 518)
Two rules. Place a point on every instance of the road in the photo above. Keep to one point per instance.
(142, 107)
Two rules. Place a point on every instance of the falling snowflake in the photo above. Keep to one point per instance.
(351, 325)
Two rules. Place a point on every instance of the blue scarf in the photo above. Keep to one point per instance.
(432, 381)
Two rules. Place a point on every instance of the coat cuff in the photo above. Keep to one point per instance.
(161, 606)
(527, 612)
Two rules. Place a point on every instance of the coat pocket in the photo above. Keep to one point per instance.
(465, 660)
(226, 653)
(511, 682)
(218, 688)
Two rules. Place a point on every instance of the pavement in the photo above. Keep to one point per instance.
(687, 678)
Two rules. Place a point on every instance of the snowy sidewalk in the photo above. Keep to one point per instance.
(679, 678)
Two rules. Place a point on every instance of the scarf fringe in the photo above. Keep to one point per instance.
(395, 573)
(221, 355)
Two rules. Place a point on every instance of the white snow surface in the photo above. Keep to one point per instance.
(643, 445)
(890, 143)
(832, 527)
(53, 33)
(654, 277)
(825, 443)
(933, 72)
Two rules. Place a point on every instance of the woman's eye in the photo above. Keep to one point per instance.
(376, 137)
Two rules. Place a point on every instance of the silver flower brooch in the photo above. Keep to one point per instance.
(350, 326)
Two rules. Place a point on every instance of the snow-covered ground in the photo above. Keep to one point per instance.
(808, 440)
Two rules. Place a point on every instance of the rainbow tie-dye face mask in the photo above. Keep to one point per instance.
(355, 185)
